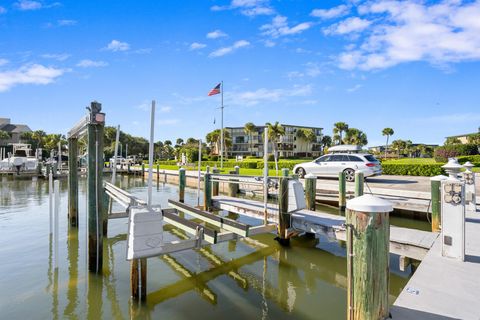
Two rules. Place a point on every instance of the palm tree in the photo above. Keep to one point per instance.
(214, 138)
(338, 129)
(275, 131)
(326, 142)
(179, 142)
(4, 135)
(387, 132)
(308, 135)
(249, 129)
(356, 137)
(39, 136)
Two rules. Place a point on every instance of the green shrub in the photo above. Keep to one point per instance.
(271, 157)
(449, 151)
(475, 160)
(425, 170)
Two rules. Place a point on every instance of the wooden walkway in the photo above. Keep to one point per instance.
(444, 288)
(409, 243)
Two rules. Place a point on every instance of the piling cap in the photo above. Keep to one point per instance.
(468, 165)
(309, 176)
(369, 203)
(453, 165)
(439, 178)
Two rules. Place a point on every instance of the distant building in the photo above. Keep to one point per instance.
(415, 150)
(14, 130)
(289, 145)
(463, 138)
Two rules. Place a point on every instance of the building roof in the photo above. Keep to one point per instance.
(282, 124)
(463, 135)
(15, 128)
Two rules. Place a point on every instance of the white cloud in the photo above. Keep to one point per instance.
(2, 10)
(116, 45)
(350, 25)
(312, 69)
(405, 31)
(197, 45)
(248, 8)
(28, 5)
(165, 109)
(226, 50)
(3, 62)
(334, 12)
(167, 122)
(56, 56)
(29, 74)
(250, 98)
(279, 27)
(64, 23)
(269, 43)
(216, 34)
(354, 88)
(86, 63)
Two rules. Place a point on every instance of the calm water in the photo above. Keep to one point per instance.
(237, 280)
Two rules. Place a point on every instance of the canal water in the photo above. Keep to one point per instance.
(254, 279)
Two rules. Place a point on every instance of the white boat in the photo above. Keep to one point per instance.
(20, 160)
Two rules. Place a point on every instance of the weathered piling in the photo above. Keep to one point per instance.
(73, 182)
(134, 283)
(143, 279)
(359, 182)
(283, 215)
(95, 192)
(39, 169)
(435, 188)
(158, 173)
(233, 185)
(284, 172)
(215, 184)
(310, 191)
(207, 192)
(143, 170)
(368, 240)
(342, 190)
(182, 181)
(138, 279)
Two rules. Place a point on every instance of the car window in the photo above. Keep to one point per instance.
(354, 158)
(336, 158)
(322, 159)
(370, 158)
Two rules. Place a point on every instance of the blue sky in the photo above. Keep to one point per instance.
(410, 65)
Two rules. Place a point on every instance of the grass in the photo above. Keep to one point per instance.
(245, 172)
(411, 161)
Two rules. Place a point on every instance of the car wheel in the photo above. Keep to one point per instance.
(301, 172)
(349, 175)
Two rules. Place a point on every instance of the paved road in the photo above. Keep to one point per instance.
(398, 182)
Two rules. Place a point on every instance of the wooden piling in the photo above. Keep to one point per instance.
(368, 240)
(233, 185)
(134, 284)
(95, 197)
(182, 181)
(215, 184)
(39, 169)
(73, 182)
(310, 191)
(435, 186)
(143, 170)
(143, 279)
(283, 215)
(342, 200)
(359, 181)
(158, 173)
(207, 192)
(284, 172)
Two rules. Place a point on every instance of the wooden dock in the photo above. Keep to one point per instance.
(444, 288)
(410, 243)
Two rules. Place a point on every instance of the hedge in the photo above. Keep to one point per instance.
(455, 150)
(425, 170)
(475, 160)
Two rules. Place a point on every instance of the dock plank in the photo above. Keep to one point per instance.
(403, 241)
(444, 288)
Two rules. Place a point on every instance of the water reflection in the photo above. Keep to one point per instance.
(251, 278)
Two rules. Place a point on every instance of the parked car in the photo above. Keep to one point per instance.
(120, 160)
(331, 164)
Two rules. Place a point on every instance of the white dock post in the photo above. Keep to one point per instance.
(265, 176)
(50, 199)
(199, 170)
(114, 165)
(57, 208)
(150, 155)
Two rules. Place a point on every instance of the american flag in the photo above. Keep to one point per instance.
(215, 90)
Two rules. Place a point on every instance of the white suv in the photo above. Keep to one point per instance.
(331, 164)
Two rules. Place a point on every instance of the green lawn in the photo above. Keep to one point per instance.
(410, 161)
(245, 172)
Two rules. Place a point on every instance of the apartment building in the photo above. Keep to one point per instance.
(289, 145)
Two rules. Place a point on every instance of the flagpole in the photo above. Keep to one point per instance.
(221, 134)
